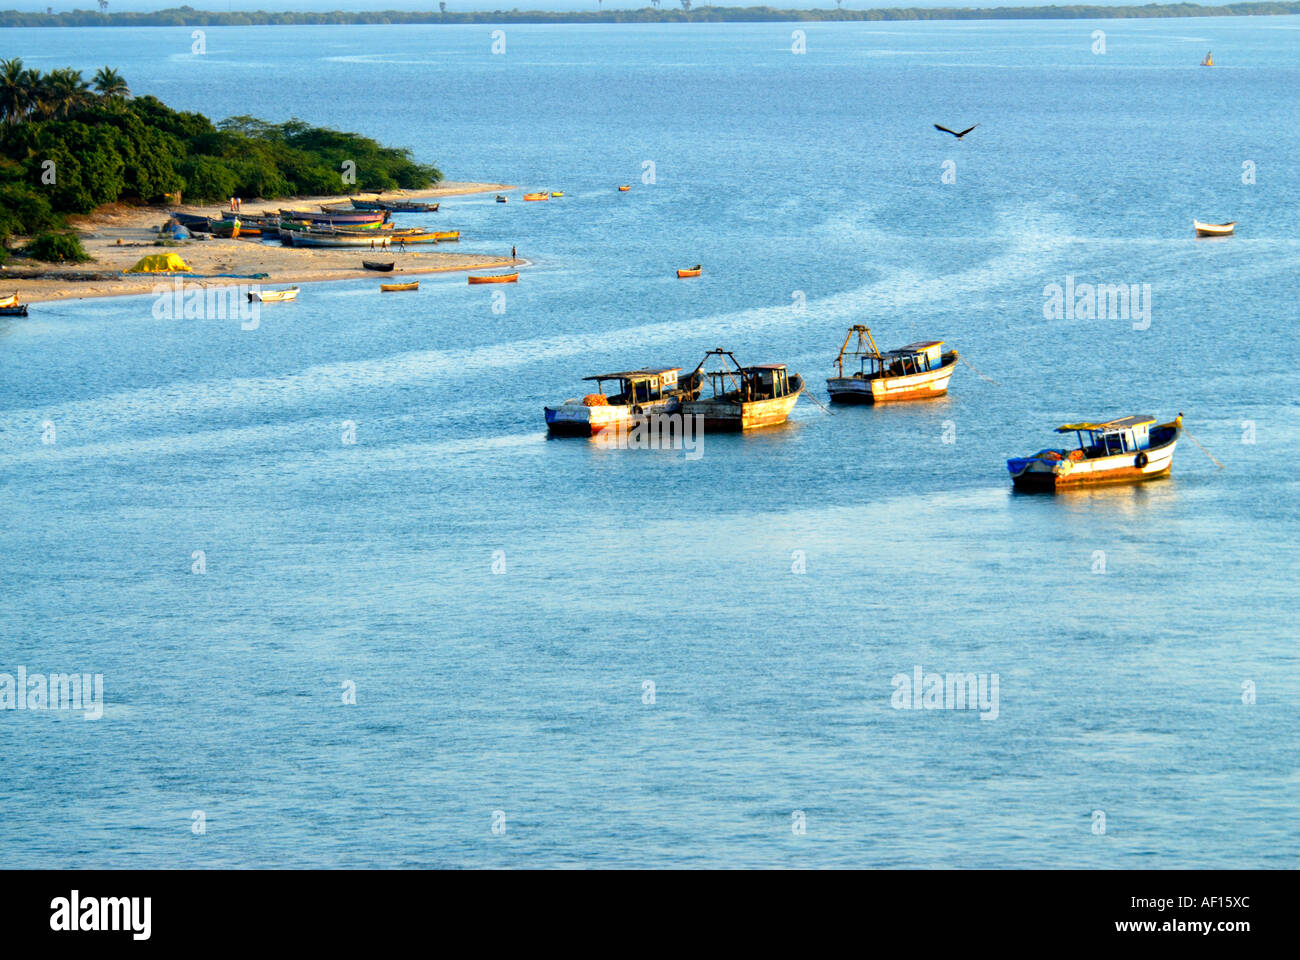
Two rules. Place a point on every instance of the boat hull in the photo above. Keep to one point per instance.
(574, 419)
(1214, 229)
(919, 386)
(499, 278)
(1033, 473)
(733, 417)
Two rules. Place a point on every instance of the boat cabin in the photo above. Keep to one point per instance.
(746, 384)
(906, 361)
(1125, 435)
(637, 386)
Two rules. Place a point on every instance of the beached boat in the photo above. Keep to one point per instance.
(502, 198)
(1214, 229)
(395, 287)
(193, 222)
(621, 399)
(496, 278)
(1208, 61)
(374, 241)
(537, 196)
(233, 229)
(11, 306)
(407, 206)
(625, 188)
(692, 272)
(369, 206)
(914, 372)
(273, 296)
(444, 235)
(335, 216)
(1127, 450)
(383, 266)
(744, 398)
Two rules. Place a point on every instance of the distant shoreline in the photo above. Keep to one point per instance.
(187, 17)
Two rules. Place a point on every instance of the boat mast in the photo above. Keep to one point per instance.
(864, 336)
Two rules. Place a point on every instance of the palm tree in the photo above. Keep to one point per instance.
(16, 89)
(111, 85)
(61, 92)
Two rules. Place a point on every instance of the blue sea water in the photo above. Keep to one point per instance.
(1126, 626)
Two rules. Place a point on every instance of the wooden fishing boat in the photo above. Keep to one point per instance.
(502, 198)
(337, 240)
(557, 193)
(444, 235)
(194, 223)
(9, 301)
(1208, 61)
(395, 287)
(407, 206)
(383, 266)
(625, 188)
(914, 372)
(11, 306)
(537, 196)
(273, 296)
(337, 217)
(744, 398)
(369, 206)
(620, 400)
(1127, 450)
(233, 229)
(1214, 229)
(692, 272)
(496, 278)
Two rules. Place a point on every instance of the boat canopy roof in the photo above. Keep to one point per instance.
(766, 366)
(1123, 423)
(647, 373)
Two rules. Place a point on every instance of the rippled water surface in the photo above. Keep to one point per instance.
(1122, 623)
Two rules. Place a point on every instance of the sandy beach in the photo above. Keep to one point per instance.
(117, 237)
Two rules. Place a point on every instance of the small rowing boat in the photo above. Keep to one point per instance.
(745, 397)
(496, 278)
(914, 372)
(395, 287)
(407, 206)
(273, 296)
(625, 188)
(381, 266)
(620, 400)
(1127, 450)
(1214, 229)
(336, 217)
(502, 198)
(444, 235)
(537, 196)
(557, 193)
(692, 272)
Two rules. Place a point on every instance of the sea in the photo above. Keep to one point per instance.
(352, 608)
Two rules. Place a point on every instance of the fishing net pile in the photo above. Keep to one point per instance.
(595, 400)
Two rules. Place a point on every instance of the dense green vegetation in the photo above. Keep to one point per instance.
(69, 146)
(681, 10)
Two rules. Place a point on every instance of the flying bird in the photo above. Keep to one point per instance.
(954, 132)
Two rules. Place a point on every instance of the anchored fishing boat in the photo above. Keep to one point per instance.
(502, 198)
(496, 278)
(1214, 229)
(625, 188)
(273, 296)
(1128, 450)
(914, 372)
(745, 397)
(557, 193)
(11, 306)
(1208, 61)
(537, 196)
(621, 399)
(692, 272)
(396, 287)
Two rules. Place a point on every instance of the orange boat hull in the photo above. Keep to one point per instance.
(499, 278)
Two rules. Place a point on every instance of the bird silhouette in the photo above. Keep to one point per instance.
(954, 132)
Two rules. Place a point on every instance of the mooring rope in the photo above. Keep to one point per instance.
(1203, 450)
(977, 373)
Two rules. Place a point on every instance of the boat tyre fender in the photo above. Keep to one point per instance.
(1141, 460)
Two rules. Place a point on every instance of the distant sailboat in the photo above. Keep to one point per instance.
(1208, 61)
